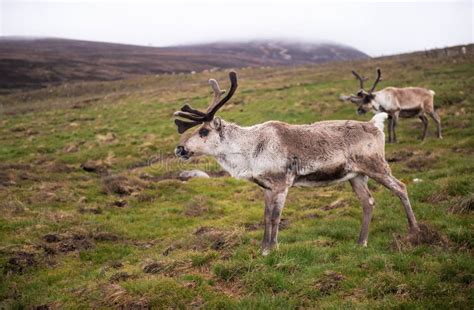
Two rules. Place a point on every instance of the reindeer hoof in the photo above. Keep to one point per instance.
(362, 243)
(265, 252)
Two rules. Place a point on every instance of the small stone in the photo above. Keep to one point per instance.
(189, 174)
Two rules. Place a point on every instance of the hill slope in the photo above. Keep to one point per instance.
(34, 63)
(126, 233)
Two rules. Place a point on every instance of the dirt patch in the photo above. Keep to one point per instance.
(19, 262)
(121, 203)
(340, 203)
(7, 179)
(421, 161)
(96, 166)
(12, 174)
(252, 226)
(329, 282)
(65, 243)
(93, 210)
(401, 155)
(462, 205)
(426, 236)
(115, 264)
(122, 185)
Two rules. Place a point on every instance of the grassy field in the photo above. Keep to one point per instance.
(92, 214)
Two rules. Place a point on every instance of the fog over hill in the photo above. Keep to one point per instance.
(27, 62)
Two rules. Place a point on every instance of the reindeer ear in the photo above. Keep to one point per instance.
(216, 123)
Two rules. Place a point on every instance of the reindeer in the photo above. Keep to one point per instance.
(396, 102)
(276, 156)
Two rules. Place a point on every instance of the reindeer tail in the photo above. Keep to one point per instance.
(432, 92)
(379, 120)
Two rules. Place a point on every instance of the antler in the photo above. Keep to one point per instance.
(361, 79)
(379, 77)
(197, 117)
(218, 92)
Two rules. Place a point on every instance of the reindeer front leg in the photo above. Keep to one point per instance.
(274, 202)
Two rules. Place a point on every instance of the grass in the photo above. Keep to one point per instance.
(72, 239)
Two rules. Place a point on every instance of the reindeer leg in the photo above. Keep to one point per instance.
(276, 201)
(276, 217)
(424, 119)
(394, 124)
(267, 219)
(437, 120)
(359, 185)
(400, 190)
(390, 122)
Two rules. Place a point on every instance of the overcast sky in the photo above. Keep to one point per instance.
(374, 27)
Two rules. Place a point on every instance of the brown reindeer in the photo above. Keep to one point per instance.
(396, 102)
(277, 156)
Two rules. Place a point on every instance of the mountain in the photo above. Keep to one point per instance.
(34, 63)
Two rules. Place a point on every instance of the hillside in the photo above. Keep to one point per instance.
(35, 63)
(92, 214)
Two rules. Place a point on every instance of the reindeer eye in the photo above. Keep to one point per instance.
(203, 132)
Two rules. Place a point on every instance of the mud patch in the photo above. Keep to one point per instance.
(122, 185)
(56, 243)
(19, 262)
(427, 236)
(96, 166)
(422, 162)
(329, 282)
(121, 203)
(398, 156)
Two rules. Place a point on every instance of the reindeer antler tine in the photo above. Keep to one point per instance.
(377, 80)
(218, 104)
(189, 116)
(187, 108)
(360, 78)
(215, 87)
(183, 126)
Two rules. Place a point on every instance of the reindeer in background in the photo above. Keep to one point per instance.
(277, 156)
(396, 102)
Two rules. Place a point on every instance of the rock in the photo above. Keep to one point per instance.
(189, 174)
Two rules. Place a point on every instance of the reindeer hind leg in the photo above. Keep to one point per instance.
(399, 190)
(437, 120)
(424, 120)
(359, 185)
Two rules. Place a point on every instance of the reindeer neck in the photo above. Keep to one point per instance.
(235, 152)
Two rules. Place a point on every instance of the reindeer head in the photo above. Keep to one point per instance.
(363, 99)
(206, 139)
